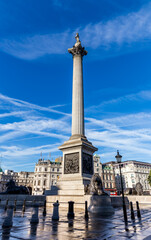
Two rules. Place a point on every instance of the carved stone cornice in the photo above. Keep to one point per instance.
(77, 48)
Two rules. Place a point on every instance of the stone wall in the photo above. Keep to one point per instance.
(143, 200)
(20, 199)
(79, 200)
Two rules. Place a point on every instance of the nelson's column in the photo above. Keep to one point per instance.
(77, 151)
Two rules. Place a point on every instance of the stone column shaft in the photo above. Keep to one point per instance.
(77, 91)
(77, 97)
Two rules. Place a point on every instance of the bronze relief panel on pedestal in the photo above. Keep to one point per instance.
(71, 163)
(87, 164)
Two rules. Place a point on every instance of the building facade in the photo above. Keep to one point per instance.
(106, 172)
(46, 175)
(20, 178)
(108, 176)
(4, 178)
(97, 164)
(133, 172)
(24, 179)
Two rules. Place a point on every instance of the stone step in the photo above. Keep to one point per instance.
(68, 192)
(71, 187)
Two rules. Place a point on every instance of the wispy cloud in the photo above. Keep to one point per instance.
(29, 122)
(144, 95)
(127, 29)
(131, 133)
(35, 46)
(15, 151)
(10, 114)
(27, 105)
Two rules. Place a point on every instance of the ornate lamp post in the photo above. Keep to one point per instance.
(119, 159)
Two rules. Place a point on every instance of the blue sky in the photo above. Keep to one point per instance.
(36, 77)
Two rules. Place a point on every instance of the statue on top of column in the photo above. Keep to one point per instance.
(78, 40)
(77, 48)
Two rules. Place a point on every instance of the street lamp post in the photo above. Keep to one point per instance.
(119, 158)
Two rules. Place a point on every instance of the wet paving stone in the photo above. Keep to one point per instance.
(99, 228)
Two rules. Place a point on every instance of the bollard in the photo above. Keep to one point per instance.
(55, 215)
(86, 210)
(24, 205)
(6, 205)
(132, 212)
(70, 210)
(8, 222)
(44, 210)
(138, 210)
(34, 218)
(15, 202)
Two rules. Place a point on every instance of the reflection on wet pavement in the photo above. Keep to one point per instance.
(78, 228)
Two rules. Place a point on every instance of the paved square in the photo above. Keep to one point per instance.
(95, 228)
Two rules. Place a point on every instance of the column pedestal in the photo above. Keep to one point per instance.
(77, 166)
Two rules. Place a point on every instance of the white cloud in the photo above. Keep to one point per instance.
(34, 121)
(15, 151)
(15, 114)
(145, 94)
(130, 133)
(32, 47)
(27, 105)
(131, 28)
(129, 98)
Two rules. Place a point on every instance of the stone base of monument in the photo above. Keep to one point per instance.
(72, 186)
(101, 205)
(77, 166)
(79, 202)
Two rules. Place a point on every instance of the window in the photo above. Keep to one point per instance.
(39, 169)
(57, 169)
(45, 169)
(45, 182)
(53, 169)
(38, 182)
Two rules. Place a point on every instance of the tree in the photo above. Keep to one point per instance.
(149, 178)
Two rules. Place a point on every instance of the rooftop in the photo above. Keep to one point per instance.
(135, 161)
